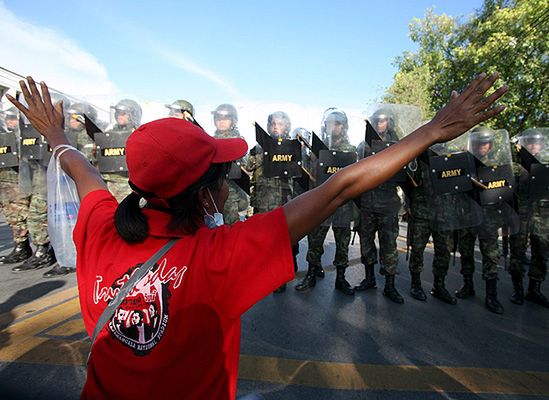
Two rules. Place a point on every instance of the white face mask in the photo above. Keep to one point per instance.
(213, 221)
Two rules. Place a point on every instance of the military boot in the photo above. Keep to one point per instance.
(42, 257)
(20, 253)
(341, 283)
(369, 282)
(58, 270)
(491, 301)
(534, 293)
(309, 281)
(390, 291)
(319, 271)
(518, 290)
(416, 291)
(467, 290)
(440, 292)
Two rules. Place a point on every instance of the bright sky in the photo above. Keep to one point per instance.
(299, 56)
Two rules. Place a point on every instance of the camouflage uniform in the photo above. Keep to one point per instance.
(422, 228)
(14, 204)
(267, 193)
(340, 222)
(379, 209)
(37, 220)
(237, 200)
(487, 233)
(534, 224)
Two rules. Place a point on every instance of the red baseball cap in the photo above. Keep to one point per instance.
(166, 156)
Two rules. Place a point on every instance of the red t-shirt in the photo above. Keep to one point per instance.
(177, 335)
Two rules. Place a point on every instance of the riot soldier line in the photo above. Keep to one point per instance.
(482, 186)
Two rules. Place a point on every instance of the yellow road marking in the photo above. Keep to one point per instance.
(37, 305)
(342, 376)
(30, 341)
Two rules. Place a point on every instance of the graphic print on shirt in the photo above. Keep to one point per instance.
(141, 319)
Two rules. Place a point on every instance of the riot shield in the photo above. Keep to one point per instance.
(111, 150)
(281, 157)
(238, 174)
(447, 208)
(9, 153)
(33, 145)
(331, 161)
(392, 122)
(533, 146)
(451, 173)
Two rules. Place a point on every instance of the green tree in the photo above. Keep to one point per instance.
(508, 36)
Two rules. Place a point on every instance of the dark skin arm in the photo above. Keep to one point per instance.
(48, 120)
(463, 112)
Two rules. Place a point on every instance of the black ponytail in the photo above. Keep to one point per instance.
(130, 222)
(187, 213)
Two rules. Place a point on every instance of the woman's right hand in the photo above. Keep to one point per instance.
(467, 109)
(42, 114)
(49, 120)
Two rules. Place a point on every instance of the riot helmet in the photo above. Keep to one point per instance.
(334, 126)
(303, 133)
(533, 140)
(383, 121)
(279, 125)
(224, 113)
(77, 112)
(127, 112)
(179, 109)
(305, 138)
(11, 118)
(480, 141)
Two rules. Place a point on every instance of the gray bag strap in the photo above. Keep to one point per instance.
(126, 289)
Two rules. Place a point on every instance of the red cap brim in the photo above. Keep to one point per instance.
(229, 149)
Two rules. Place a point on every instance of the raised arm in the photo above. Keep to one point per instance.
(463, 112)
(49, 120)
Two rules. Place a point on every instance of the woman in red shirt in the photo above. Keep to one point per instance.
(189, 348)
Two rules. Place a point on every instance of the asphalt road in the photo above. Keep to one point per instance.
(315, 345)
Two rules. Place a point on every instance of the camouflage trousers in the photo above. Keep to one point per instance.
(538, 232)
(15, 207)
(37, 220)
(518, 243)
(117, 185)
(488, 244)
(316, 245)
(386, 226)
(539, 242)
(236, 202)
(420, 231)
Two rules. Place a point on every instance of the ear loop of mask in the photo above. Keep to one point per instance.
(213, 221)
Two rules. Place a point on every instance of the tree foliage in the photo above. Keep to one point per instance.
(507, 36)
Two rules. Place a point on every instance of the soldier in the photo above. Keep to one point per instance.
(33, 181)
(14, 204)
(481, 145)
(334, 135)
(534, 213)
(270, 193)
(225, 120)
(76, 131)
(422, 226)
(181, 109)
(379, 213)
(127, 115)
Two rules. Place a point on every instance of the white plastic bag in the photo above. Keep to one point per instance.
(63, 205)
